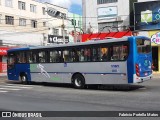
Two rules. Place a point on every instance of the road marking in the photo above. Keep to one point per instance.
(13, 87)
(3, 91)
(9, 86)
(9, 89)
(20, 85)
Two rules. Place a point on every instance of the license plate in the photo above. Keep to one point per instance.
(145, 73)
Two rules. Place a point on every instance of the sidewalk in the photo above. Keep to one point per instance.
(3, 74)
(156, 75)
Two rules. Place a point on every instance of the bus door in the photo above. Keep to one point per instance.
(144, 58)
(11, 71)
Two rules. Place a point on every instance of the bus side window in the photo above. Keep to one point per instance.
(119, 52)
(104, 54)
(115, 53)
(30, 57)
(81, 55)
(87, 54)
(94, 54)
(21, 57)
(66, 56)
(53, 56)
(74, 55)
(124, 52)
(42, 57)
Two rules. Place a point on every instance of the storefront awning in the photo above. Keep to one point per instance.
(3, 51)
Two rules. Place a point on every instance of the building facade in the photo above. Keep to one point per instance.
(147, 23)
(105, 15)
(74, 27)
(24, 18)
(28, 23)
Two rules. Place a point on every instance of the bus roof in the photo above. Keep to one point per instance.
(78, 44)
(17, 49)
(82, 43)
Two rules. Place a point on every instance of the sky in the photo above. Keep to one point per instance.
(74, 6)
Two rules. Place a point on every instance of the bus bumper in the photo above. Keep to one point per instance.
(142, 79)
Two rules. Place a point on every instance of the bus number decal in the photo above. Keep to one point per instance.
(115, 68)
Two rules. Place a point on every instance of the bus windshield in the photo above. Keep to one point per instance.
(143, 46)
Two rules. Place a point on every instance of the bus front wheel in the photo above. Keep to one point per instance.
(23, 79)
(78, 81)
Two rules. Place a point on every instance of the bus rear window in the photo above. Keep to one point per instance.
(143, 46)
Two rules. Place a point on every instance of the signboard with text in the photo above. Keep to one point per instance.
(3, 51)
(147, 15)
(107, 12)
(156, 38)
(57, 39)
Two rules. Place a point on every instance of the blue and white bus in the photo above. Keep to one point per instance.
(125, 60)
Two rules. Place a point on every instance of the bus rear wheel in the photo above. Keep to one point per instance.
(78, 81)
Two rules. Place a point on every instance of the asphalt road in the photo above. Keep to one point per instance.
(62, 97)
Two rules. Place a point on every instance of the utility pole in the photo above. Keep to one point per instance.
(63, 30)
(75, 33)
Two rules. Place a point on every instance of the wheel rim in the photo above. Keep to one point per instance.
(23, 79)
(78, 82)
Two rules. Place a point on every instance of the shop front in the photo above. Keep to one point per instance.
(3, 59)
(155, 39)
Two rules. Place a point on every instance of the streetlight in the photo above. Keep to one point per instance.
(55, 13)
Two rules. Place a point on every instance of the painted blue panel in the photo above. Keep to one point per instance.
(145, 62)
(13, 74)
(131, 61)
(17, 49)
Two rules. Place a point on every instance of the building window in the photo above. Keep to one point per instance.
(108, 26)
(9, 20)
(33, 23)
(21, 5)
(43, 10)
(55, 31)
(0, 18)
(65, 32)
(73, 22)
(79, 23)
(44, 24)
(33, 8)
(22, 22)
(63, 15)
(8, 3)
(106, 1)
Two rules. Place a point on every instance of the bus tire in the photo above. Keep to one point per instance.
(78, 81)
(23, 79)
